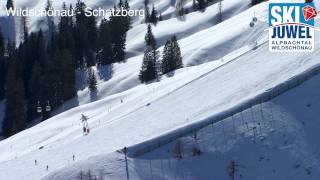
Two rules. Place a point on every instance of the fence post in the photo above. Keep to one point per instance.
(125, 151)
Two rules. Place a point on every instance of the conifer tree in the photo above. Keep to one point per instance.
(160, 17)
(127, 18)
(50, 19)
(118, 38)
(92, 81)
(149, 38)
(177, 59)
(154, 16)
(105, 56)
(24, 31)
(68, 78)
(80, 34)
(36, 90)
(201, 4)
(149, 69)
(9, 4)
(92, 40)
(255, 2)
(2, 66)
(171, 59)
(146, 14)
(15, 111)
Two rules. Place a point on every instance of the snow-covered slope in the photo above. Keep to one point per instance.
(134, 113)
(282, 146)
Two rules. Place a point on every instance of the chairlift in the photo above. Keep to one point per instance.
(251, 24)
(39, 109)
(254, 19)
(48, 107)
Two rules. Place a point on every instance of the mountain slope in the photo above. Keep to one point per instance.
(144, 112)
(283, 146)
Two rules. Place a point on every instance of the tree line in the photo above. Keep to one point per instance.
(152, 66)
(41, 70)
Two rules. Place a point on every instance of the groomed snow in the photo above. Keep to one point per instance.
(147, 111)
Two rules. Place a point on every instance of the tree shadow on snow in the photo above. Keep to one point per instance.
(105, 72)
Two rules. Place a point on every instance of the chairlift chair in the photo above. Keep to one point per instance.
(254, 19)
(39, 108)
(48, 107)
(251, 24)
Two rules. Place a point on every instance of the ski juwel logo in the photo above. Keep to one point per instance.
(291, 27)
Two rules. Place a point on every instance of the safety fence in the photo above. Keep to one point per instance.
(162, 140)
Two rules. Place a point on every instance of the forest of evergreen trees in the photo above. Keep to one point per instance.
(40, 72)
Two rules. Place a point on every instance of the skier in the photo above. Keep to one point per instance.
(35, 162)
(85, 124)
(47, 168)
(73, 157)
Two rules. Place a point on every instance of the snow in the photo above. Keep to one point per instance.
(222, 72)
(283, 146)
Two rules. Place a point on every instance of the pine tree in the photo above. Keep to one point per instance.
(220, 18)
(118, 38)
(36, 90)
(149, 69)
(201, 4)
(24, 31)
(194, 5)
(68, 79)
(255, 2)
(177, 59)
(2, 66)
(146, 14)
(105, 57)
(92, 40)
(160, 17)
(50, 19)
(92, 81)
(166, 57)
(127, 18)
(149, 38)
(154, 16)
(179, 8)
(10, 4)
(65, 38)
(81, 34)
(171, 59)
(15, 111)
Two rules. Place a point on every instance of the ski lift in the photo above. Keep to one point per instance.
(251, 24)
(39, 109)
(254, 19)
(6, 54)
(48, 107)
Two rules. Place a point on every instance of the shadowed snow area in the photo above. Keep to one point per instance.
(226, 65)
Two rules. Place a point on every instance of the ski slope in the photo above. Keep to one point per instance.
(283, 146)
(220, 79)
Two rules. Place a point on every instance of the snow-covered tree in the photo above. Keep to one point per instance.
(171, 59)
(154, 16)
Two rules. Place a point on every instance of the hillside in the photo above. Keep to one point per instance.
(227, 65)
(281, 147)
